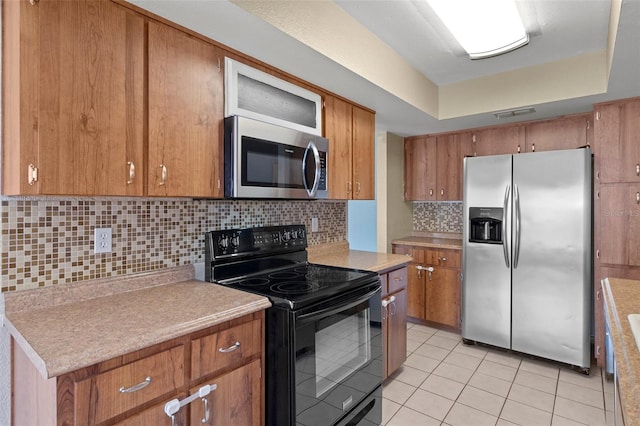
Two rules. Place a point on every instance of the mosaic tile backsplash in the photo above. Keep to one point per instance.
(437, 217)
(50, 241)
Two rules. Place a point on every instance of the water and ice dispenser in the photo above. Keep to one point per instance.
(485, 225)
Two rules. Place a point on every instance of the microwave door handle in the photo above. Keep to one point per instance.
(316, 178)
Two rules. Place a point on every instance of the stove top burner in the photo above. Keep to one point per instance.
(295, 287)
(253, 282)
(284, 275)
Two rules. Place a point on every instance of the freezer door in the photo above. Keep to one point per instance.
(552, 267)
(486, 273)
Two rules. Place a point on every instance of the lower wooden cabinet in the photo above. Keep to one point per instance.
(235, 401)
(133, 389)
(433, 284)
(394, 319)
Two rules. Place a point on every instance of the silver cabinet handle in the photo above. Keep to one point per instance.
(638, 169)
(349, 187)
(421, 268)
(431, 192)
(205, 402)
(398, 279)
(357, 187)
(533, 147)
(518, 149)
(441, 191)
(163, 175)
(137, 387)
(231, 348)
(443, 259)
(637, 197)
(132, 172)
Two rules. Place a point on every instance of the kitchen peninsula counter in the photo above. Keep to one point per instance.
(452, 241)
(622, 298)
(339, 254)
(67, 327)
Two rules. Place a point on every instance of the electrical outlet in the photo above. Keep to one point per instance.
(314, 224)
(102, 240)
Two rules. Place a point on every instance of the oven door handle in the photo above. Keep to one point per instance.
(330, 310)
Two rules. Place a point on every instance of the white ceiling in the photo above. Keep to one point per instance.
(559, 29)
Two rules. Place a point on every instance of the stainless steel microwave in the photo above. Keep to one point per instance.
(263, 160)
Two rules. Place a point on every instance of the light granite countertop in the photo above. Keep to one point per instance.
(339, 254)
(71, 326)
(452, 241)
(623, 298)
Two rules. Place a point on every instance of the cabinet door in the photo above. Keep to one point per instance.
(415, 292)
(617, 132)
(500, 140)
(443, 297)
(560, 133)
(235, 401)
(619, 222)
(156, 416)
(420, 168)
(338, 129)
(449, 165)
(363, 154)
(185, 115)
(397, 332)
(86, 99)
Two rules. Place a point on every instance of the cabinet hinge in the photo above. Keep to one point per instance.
(32, 174)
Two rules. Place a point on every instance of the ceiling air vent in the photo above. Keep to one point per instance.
(514, 112)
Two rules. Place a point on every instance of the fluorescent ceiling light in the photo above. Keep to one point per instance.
(484, 28)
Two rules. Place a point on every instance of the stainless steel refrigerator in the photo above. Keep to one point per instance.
(527, 253)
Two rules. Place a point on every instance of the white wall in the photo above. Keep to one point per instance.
(395, 216)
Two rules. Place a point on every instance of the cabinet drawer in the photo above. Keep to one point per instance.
(224, 348)
(397, 280)
(449, 258)
(106, 392)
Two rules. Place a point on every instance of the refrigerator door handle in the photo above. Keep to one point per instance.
(516, 248)
(505, 242)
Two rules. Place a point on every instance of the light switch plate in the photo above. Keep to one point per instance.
(314, 224)
(102, 240)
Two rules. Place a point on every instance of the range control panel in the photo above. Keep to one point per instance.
(256, 241)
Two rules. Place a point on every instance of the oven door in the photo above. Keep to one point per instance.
(338, 357)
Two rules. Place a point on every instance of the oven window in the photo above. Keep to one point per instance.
(342, 347)
(335, 364)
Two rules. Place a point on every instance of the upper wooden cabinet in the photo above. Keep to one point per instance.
(499, 140)
(433, 166)
(73, 98)
(351, 133)
(617, 132)
(561, 133)
(420, 168)
(186, 108)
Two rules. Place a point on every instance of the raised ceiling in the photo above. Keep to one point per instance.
(395, 57)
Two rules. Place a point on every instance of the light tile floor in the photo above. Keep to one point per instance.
(445, 382)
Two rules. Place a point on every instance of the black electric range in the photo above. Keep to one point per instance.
(323, 333)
